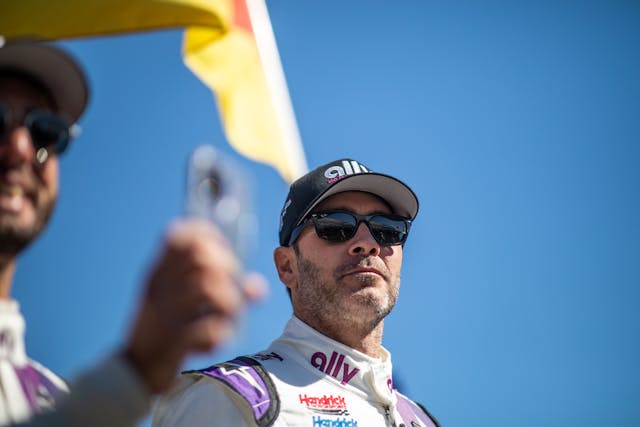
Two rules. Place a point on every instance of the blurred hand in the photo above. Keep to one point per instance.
(190, 303)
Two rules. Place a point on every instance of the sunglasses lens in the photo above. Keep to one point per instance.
(388, 231)
(335, 226)
(48, 131)
(4, 119)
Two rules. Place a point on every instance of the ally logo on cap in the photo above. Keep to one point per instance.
(349, 167)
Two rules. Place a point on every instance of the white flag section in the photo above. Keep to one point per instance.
(277, 84)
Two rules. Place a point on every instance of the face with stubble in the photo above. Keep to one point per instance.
(28, 190)
(349, 284)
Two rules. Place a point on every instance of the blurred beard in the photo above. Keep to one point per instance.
(15, 238)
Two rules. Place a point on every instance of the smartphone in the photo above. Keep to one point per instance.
(218, 190)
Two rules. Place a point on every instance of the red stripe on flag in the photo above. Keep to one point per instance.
(241, 15)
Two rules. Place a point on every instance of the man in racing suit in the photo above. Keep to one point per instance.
(342, 233)
(42, 91)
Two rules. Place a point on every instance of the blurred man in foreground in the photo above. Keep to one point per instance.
(189, 301)
(342, 235)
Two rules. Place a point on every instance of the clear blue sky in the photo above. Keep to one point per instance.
(517, 124)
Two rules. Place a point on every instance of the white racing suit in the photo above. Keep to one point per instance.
(26, 387)
(302, 379)
(109, 394)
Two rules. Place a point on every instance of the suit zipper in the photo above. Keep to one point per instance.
(387, 416)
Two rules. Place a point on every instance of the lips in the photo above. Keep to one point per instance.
(364, 271)
(11, 190)
(12, 198)
(15, 192)
(366, 267)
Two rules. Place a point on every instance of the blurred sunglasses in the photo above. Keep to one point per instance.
(339, 226)
(48, 130)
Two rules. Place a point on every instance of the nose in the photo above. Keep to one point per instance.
(363, 243)
(17, 147)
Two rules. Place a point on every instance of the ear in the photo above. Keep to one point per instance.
(287, 266)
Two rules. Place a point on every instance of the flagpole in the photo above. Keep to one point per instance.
(276, 83)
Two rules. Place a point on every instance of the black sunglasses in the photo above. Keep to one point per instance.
(339, 226)
(48, 130)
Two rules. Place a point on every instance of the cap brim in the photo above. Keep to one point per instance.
(55, 69)
(397, 194)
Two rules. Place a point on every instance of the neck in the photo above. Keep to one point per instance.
(354, 333)
(7, 270)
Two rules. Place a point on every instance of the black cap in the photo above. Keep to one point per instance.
(51, 66)
(337, 177)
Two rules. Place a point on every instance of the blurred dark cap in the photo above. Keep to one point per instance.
(52, 67)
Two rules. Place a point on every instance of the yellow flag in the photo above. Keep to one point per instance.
(220, 46)
(244, 71)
